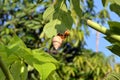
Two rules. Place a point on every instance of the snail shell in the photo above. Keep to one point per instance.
(57, 41)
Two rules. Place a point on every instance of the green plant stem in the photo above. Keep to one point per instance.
(103, 30)
(5, 70)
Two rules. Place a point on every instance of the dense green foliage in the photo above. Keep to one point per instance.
(85, 66)
(26, 30)
(20, 59)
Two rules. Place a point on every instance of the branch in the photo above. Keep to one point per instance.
(5, 70)
(103, 30)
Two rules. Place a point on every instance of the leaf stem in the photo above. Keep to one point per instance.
(5, 70)
(103, 30)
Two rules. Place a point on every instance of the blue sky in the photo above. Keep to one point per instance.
(102, 42)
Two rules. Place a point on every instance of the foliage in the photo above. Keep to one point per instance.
(20, 60)
(113, 76)
(36, 22)
(85, 65)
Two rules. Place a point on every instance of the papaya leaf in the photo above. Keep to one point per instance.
(104, 2)
(48, 14)
(114, 27)
(45, 69)
(49, 28)
(15, 45)
(19, 70)
(115, 49)
(111, 40)
(76, 7)
(115, 8)
(117, 2)
(16, 41)
(42, 62)
(43, 56)
(59, 19)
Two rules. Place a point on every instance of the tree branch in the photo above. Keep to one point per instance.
(103, 30)
(5, 70)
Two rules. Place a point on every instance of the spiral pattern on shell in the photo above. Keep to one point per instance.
(57, 41)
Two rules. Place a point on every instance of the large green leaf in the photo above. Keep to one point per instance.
(54, 27)
(43, 56)
(114, 27)
(19, 53)
(59, 19)
(115, 8)
(49, 28)
(41, 61)
(45, 69)
(16, 42)
(15, 45)
(19, 70)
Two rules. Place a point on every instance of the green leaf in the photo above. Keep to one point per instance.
(49, 28)
(16, 41)
(2, 77)
(59, 17)
(41, 61)
(3, 50)
(115, 8)
(32, 24)
(104, 2)
(115, 49)
(104, 14)
(114, 27)
(45, 69)
(113, 41)
(19, 70)
(48, 14)
(57, 26)
(54, 76)
(15, 45)
(76, 7)
(35, 27)
(43, 56)
(53, 27)
(113, 76)
(117, 2)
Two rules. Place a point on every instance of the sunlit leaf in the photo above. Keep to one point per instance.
(49, 28)
(45, 69)
(19, 70)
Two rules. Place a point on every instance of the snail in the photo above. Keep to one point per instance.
(59, 38)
